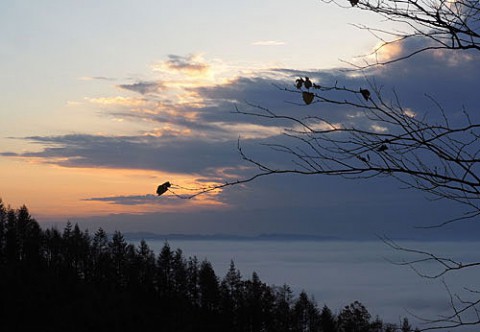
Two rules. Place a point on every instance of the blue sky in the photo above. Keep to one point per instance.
(103, 101)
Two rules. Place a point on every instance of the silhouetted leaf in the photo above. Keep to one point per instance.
(163, 188)
(307, 97)
(365, 93)
(308, 84)
(299, 83)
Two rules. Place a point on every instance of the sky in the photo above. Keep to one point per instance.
(103, 101)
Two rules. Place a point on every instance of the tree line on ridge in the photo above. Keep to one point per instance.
(70, 280)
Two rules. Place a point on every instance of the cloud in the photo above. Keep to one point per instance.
(379, 129)
(191, 64)
(197, 134)
(405, 48)
(268, 43)
(294, 204)
(133, 152)
(143, 87)
(97, 78)
(9, 154)
(443, 75)
(128, 200)
(117, 101)
(201, 136)
(168, 131)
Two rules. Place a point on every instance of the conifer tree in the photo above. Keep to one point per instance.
(354, 318)
(146, 266)
(100, 256)
(282, 308)
(327, 320)
(193, 288)
(28, 237)
(118, 251)
(406, 327)
(3, 228)
(232, 297)
(164, 275)
(306, 315)
(208, 287)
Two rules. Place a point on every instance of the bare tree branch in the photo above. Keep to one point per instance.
(447, 24)
(432, 154)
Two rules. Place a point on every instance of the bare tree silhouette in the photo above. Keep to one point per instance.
(435, 155)
(446, 24)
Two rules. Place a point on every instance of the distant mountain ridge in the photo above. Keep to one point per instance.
(132, 236)
(281, 237)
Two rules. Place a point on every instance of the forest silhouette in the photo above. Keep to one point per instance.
(70, 280)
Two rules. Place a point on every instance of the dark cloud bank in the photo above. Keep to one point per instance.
(288, 204)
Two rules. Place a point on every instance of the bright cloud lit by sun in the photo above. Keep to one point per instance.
(379, 129)
(384, 52)
(409, 112)
(268, 43)
(169, 130)
(117, 101)
(184, 71)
